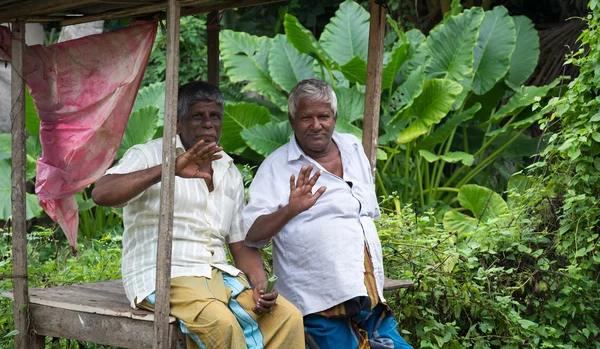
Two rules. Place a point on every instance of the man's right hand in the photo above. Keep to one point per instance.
(193, 163)
(301, 195)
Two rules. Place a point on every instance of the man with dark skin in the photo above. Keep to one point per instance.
(326, 251)
(206, 292)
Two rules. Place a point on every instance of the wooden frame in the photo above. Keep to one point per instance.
(45, 10)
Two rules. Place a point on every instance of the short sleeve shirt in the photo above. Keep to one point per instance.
(319, 255)
(203, 221)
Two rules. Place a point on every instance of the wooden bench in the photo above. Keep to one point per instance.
(99, 312)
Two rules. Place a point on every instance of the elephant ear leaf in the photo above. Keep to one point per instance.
(141, 127)
(32, 207)
(347, 34)
(265, 139)
(287, 66)
(239, 117)
(429, 108)
(495, 45)
(525, 57)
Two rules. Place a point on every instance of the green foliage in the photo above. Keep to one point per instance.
(509, 288)
(192, 52)
(50, 263)
(440, 126)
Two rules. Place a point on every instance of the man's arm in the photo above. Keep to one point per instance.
(249, 260)
(301, 199)
(118, 189)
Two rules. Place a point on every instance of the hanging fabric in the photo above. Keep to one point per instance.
(83, 92)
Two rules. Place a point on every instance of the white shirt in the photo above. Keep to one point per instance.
(203, 222)
(319, 255)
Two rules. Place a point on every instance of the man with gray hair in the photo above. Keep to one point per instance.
(326, 251)
(217, 304)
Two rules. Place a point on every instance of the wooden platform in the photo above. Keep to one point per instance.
(99, 312)
(95, 312)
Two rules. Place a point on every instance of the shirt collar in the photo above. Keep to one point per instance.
(294, 150)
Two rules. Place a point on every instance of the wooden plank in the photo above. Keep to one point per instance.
(39, 342)
(100, 329)
(224, 6)
(167, 188)
(212, 40)
(95, 298)
(373, 87)
(35, 7)
(391, 284)
(19, 221)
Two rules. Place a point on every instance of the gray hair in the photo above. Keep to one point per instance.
(314, 89)
(194, 92)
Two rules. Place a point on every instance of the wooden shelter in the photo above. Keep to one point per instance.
(99, 312)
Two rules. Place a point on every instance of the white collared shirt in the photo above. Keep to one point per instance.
(203, 222)
(319, 255)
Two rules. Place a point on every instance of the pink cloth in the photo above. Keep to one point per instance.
(83, 92)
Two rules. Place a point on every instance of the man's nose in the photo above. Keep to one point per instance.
(315, 123)
(207, 121)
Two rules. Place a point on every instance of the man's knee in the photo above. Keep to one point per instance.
(289, 312)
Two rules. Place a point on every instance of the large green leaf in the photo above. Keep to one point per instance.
(344, 126)
(347, 33)
(484, 203)
(495, 45)
(140, 128)
(237, 118)
(287, 66)
(443, 132)
(32, 121)
(406, 93)
(525, 96)
(524, 58)
(303, 40)
(397, 59)
(265, 139)
(33, 209)
(5, 146)
(350, 103)
(33, 148)
(355, 71)
(153, 94)
(415, 38)
(429, 108)
(451, 45)
(460, 223)
(245, 58)
(451, 157)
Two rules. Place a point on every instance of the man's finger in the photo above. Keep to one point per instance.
(307, 174)
(314, 178)
(301, 176)
(292, 183)
(319, 192)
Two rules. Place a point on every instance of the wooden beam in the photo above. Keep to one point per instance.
(167, 188)
(373, 87)
(224, 6)
(35, 7)
(212, 40)
(19, 222)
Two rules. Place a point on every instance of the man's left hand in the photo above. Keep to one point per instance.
(264, 301)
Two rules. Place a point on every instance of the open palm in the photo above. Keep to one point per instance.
(301, 195)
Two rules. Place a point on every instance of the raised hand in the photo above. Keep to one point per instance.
(192, 163)
(301, 195)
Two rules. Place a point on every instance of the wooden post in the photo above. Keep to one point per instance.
(165, 221)
(373, 87)
(212, 39)
(19, 228)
